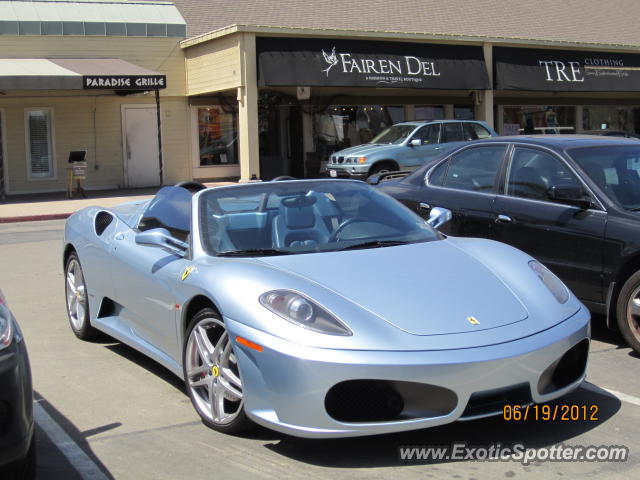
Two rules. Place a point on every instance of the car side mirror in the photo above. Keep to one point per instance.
(571, 194)
(415, 142)
(438, 216)
(160, 237)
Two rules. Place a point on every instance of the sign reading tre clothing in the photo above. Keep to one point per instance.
(565, 71)
(125, 82)
(359, 63)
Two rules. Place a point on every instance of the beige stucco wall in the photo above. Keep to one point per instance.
(92, 120)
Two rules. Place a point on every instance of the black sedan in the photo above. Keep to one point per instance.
(572, 201)
(17, 445)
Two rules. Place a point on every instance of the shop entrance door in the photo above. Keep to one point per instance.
(281, 147)
(140, 145)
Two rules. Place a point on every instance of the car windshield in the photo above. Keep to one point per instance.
(615, 169)
(394, 135)
(294, 217)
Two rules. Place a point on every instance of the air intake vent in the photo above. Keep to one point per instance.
(102, 221)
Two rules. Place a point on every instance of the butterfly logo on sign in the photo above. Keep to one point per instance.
(332, 60)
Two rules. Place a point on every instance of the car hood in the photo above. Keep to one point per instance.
(432, 288)
(364, 150)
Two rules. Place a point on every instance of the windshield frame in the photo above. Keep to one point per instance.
(411, 129)
(421, 233)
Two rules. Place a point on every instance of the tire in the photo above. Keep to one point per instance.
(628, 311)
(24, 469)
(382, 167)
(211, 374)
(77, 299)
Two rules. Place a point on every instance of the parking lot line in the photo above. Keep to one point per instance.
(70, 449)
(621, 396)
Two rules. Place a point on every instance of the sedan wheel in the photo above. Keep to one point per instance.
(77, 299)
(628, 311)
(212, 376)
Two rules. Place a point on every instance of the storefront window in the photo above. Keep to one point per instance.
(624, 119)
(539, 119)
(463, 112)
(39, 146)
(342, 126)
(217, 136)
(429, 113)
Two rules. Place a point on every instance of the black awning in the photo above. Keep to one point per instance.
(565, 71)
(359, 63)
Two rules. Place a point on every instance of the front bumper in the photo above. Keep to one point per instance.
(16, 403)
(285, 386)
(353, 171)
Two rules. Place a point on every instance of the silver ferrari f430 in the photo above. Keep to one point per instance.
(322, 308)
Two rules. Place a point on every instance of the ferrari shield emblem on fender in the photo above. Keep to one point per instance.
(473, 320)
(187, 272)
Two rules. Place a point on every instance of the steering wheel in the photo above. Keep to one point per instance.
(346, 223)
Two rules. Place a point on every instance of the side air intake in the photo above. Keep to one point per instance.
(102, 221)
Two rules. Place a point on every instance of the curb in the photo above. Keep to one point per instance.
(33, 218)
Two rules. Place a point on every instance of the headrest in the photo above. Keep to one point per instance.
(298, 202)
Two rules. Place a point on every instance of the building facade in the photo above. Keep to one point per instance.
(262, 89)
(295, 81)
(82, 76)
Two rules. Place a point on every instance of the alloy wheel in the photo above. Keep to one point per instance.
(212, 372)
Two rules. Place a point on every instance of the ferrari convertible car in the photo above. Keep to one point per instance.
(322, 308)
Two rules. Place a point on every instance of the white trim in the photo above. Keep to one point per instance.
(52, 138)
(206, 171)
(123, 129)
(81, 462)
(3, 144)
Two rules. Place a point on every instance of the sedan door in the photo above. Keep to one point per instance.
(566, 238)
(465, 183)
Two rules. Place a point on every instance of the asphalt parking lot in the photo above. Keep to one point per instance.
(105, 411)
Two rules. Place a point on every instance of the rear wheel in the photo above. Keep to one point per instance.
(211, 374)
(628, 311)
(77, 299)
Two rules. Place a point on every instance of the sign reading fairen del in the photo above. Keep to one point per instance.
(359, 63)
(125, 82)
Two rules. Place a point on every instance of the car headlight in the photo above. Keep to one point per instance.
(303, 312)
(6, 332)
(553, 283)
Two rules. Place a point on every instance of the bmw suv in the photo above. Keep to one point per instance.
(405, 146)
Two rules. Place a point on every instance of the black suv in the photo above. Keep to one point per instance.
(572, 201)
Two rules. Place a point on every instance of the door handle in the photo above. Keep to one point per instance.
(503, 219)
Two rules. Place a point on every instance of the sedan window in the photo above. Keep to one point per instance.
(533, 172)
(615, 169)
(473, 169)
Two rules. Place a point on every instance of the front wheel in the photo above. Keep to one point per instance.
(383, 167)
(628, 311)
(211, 374)
(77, 299)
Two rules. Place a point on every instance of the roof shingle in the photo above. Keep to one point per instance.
(596, 22)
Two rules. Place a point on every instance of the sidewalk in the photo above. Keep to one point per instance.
(52, 206)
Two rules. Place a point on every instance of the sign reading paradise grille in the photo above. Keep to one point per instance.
(124, 82)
